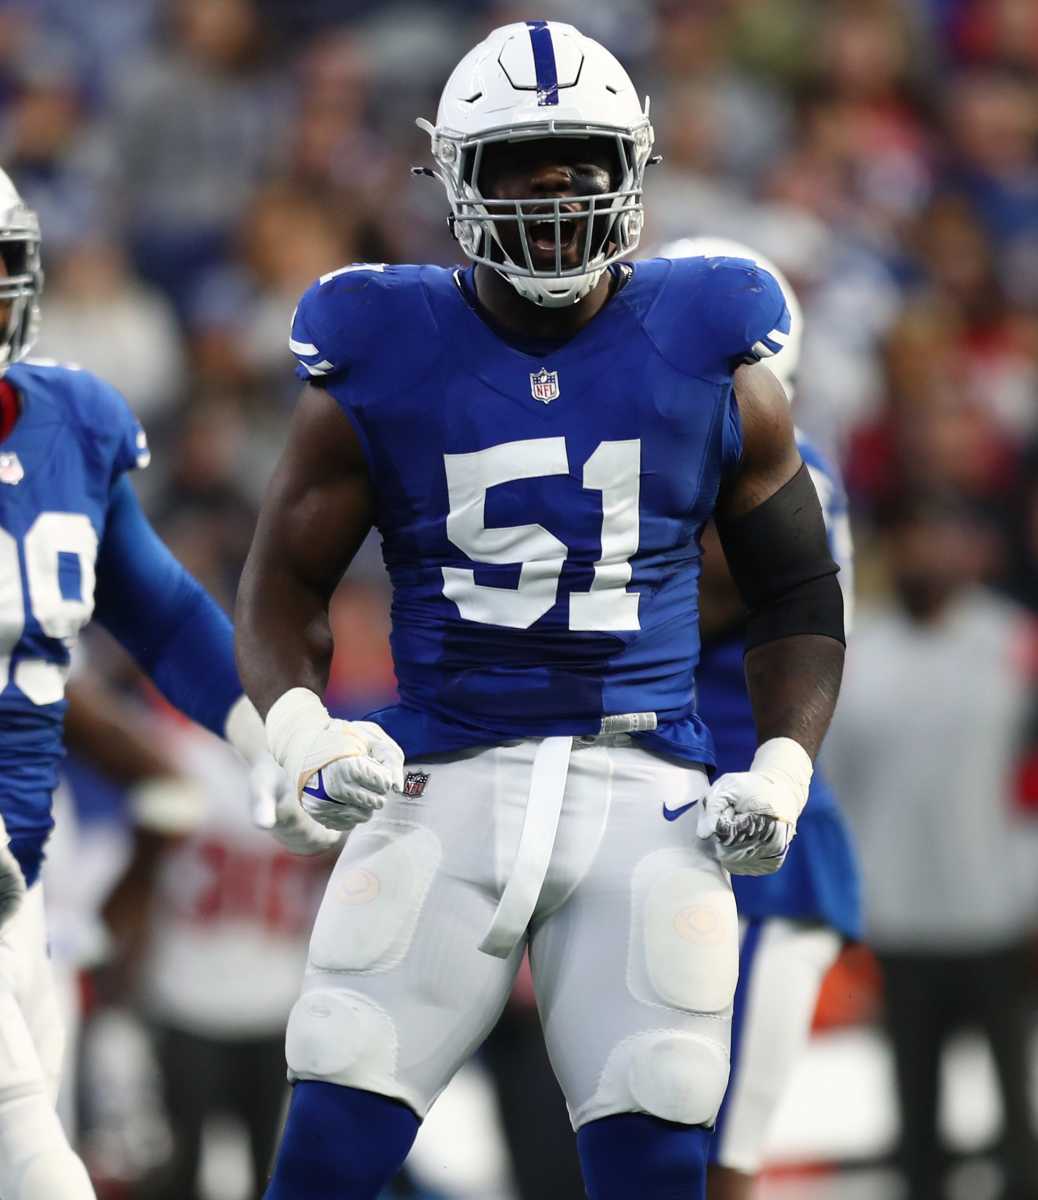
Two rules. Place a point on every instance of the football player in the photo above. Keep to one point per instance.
(795, 921)
(74, 543)
(540, 439)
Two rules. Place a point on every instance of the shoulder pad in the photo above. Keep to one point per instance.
(99, 411)
(339, 316)
(730, 310)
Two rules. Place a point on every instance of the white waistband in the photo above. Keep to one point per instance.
(540, 825)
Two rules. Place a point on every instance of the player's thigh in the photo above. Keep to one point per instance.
(782, 966)
(636, 970)
(397, 993)
(27, 977)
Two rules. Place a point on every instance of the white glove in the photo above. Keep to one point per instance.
(752, 815)
(276, 807)
(12, 881)
(275, 804)
(341, 769)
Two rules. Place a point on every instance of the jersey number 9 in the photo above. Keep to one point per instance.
(60, 550)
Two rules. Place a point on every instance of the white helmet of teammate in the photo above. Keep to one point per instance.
(784, 364)
(22, 281)
(540, 79)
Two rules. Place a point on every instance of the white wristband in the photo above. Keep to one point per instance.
(788, 765)
(244, 730)
(297, 709)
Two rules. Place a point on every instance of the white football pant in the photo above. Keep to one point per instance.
(780, 984)
(36, 1161)
(631, 924)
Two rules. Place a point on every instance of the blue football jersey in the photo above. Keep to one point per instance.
(541, 506)
(75, 436)
(819, 879)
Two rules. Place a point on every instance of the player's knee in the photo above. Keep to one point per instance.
(341, 1037)
(52, 1173)
(678, 1077)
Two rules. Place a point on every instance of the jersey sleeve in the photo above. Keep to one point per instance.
(333, 321)
(745, 309)
(160, 613)
(108, 424)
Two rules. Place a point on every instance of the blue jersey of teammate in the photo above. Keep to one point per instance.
(540, 505)
(74, 543)
(819, 879)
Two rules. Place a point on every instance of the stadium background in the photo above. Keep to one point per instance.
(196, 163)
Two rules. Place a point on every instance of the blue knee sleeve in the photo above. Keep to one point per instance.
(637, 1155)
(340, 1142)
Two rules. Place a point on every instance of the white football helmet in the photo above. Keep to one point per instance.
(22, 283)
(783, 364)
(540, 79)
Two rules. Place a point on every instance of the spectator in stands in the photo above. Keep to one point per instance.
(925, 753)
(197, 129)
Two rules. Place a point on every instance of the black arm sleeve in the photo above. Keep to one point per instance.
(778, 554)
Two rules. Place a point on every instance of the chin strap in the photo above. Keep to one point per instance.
(10, 408)
(538, 291)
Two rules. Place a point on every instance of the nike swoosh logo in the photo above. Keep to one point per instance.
(672, 814)
(318, 790)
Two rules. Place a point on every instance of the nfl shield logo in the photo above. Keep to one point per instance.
(544, 385)
(414, 783)
(11, 469)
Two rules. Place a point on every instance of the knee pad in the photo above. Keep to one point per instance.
(340, 1037)
(671, 1074)
(374, 899)
(36, 1162)
(678, 1077)
(53, 1174)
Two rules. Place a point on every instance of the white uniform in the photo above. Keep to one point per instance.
(228, 933)
(36, 1160)
(633, 909)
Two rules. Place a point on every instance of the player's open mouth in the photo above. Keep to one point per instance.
(541, 235)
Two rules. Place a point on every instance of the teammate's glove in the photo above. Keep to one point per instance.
(341, 769)
(276, 807)
(752, 815)
(12, 881)
(275, 804)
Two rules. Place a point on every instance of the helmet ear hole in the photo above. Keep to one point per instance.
(15, 256)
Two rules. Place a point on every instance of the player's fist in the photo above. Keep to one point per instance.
(342, 770)
(12, 881)
(751, 816)
(276, 808)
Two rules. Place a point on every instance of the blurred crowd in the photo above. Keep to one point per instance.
(197, 163)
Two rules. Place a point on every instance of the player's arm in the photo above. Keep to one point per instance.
(721, 607)
(317, 511)
(773, 534)
(181, 639)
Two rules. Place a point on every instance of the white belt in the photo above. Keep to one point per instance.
(536, 842)
(540, 825)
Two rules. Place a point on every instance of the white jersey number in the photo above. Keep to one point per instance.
(613, 469)
(56, 543)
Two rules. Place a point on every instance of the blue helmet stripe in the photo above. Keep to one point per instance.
(544, 62)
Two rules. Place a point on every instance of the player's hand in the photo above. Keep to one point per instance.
(350, 787)
(342, 770)
(276, 808)
(751, 815)
(12, 881)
